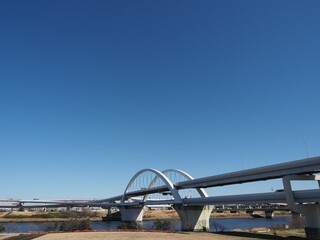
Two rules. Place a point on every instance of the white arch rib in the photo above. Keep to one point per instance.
(201, 191)
(159, 174)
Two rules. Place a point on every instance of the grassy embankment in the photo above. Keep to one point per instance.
(97, 216)
(134, 235)
(47, 216)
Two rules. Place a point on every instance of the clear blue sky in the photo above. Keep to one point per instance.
(93, 91)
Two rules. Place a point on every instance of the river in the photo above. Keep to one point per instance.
(215, 223)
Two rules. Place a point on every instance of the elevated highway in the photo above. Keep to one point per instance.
(194, 211)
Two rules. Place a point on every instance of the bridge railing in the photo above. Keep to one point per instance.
(304, 166)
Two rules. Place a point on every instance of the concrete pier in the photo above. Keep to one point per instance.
(194, 218)
(132, 213)
(311, 211)
(269, 214)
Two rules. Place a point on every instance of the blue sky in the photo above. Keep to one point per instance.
(93, 91)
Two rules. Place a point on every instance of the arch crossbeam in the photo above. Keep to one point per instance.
(168, 185)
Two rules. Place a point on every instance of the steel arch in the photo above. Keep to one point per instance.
(159, 174)
(201, 191)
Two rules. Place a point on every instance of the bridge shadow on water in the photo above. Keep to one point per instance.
(256, 235)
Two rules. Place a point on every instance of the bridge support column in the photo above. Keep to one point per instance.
(109, 214)
(311, 211)
(131, 214)
(269, 214)
(253, 214)
(194, 218)
(312, 220)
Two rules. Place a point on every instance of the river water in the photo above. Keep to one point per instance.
(215, 223)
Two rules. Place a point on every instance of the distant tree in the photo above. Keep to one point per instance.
(129, 225)
(75, 225)
(162, 224)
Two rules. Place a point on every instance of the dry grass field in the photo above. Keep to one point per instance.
(151, 214)
(291, 234)
(136, 236)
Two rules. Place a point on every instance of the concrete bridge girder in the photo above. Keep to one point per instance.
(311, 211)
(193, 218)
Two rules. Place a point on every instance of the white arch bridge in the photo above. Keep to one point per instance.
(187, 196)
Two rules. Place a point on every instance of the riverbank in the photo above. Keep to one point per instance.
(285, 234)
(12, 217)
(148, 215)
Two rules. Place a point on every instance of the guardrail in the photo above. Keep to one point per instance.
(303, 166)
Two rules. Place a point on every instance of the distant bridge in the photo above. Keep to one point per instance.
(187, 195)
